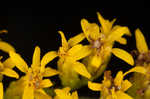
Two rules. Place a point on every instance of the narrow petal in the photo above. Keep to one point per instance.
(122, 95)
(46, 83)
(4, 46)
(94, 31)
(104, 23)
(78, 52)
(75, 50)
(1, 90)
(140, 41)
(75, 95)
(10, 73)
(41, 95)
(28, 93)
(50, 72)
(122, 54)
(90, 30)
(47, 58)
(36, 57)
(122, 41)
(8, 63)
(63, 40)
(118, 26)
(76, 39)
(81, 69)
(117, 34)
(84, 51)
(94, 86)
(138, 69)
(18, 61)
(96, 61)
(85, 25)
(118, 79)
(125, 85)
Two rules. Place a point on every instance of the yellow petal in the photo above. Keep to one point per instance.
(140, 41)
(4, 46)
(75, 50)
(122, 54)
(118, 79)
(8, 63)
(65, 90)
(81, 69)
(118, 26)
(28, 93)
(138, 69)
(50, 72)
(10, 73)
(63, 40)
(47, 58)
(122, 41)
(41, 95)
(85, 26)
(96, 61)
(36, 57)
(104, 23)
(63, 93)
(76, 39)
(18, 61)
(46, 83)
(122, 95)
(84, 51)
(78, 52)
(1, 90)
(90, 30)
(75, 95)
(117, 34)
(94, 31)
(94, 86)
(125, 85)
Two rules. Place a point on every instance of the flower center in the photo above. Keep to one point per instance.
(35, 80)
(141, 58)
(97, 43)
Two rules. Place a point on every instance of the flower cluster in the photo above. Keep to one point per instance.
(79, 65)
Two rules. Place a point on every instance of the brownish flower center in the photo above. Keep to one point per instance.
(141, 58)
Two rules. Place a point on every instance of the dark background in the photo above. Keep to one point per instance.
(31, 26)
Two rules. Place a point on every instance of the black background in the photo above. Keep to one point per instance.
(31, 26)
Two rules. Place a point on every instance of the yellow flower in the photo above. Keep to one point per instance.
(65, 94)
(6, 69)
(143, 57)
(7, 65)
(34, 82)
(101, 41)
(115, 88)
(140, 88)
(68, 63)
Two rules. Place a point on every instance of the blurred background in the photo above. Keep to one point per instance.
(31, 26)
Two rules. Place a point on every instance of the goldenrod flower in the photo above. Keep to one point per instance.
(65, 94)
(141, 87)
(34, 82)
(68, 63)
(115, 88)
(6, 69)
(101, 41)
(7, 65)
